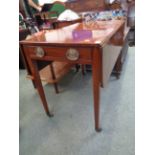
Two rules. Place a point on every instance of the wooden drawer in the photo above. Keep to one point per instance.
(72, 54)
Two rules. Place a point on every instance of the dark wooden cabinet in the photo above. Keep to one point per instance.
(86, 5)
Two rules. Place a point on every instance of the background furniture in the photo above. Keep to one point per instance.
(49, 12)
(131, 22)
(115, 5)
(60, 24)
(22, 35)
(85, 5)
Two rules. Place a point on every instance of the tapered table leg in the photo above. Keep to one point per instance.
(83, 69)
(34, 85)
(53, 76)
(96, 87)
(101, 68)
(118, 67)
(40, 88)
(77, 67)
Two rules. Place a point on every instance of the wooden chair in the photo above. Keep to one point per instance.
(50, 15)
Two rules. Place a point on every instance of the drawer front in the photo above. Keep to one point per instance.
(71, 54)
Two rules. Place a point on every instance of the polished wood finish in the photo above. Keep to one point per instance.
(60, 24)
(49, 73)
(96, 33)
(54, 77)
(96, 86)
(86, 5)
(88, 40)
(60, 68)
(40, 88)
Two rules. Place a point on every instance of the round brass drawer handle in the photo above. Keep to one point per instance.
(39, 52)
(72, 54)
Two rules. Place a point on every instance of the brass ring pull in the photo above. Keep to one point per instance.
(72, 54)
(39, 52)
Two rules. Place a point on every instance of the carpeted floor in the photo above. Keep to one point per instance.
(71, 130)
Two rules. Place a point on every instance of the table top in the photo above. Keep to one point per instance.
(92, 33)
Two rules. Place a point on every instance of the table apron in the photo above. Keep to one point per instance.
(61, 59)
(60, 54)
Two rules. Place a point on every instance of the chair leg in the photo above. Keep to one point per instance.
(53, 76)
